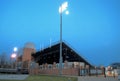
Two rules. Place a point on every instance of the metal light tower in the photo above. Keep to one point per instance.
(62, 8)
(14, 55)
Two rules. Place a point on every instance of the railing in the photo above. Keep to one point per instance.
(14, 71)
(6, 70)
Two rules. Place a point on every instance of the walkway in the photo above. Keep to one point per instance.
(13, 76)
(99, 78)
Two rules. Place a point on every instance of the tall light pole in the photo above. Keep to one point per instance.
(62, 8)
(14, 54)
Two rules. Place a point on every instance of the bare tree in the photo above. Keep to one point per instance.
(20, 52)
(3, 59)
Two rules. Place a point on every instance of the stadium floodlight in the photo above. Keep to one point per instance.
(15, 49)
(14, 55)
(63, 7)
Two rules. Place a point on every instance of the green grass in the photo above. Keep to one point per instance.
(46, 78)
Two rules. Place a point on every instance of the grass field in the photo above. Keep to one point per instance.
(46, 78)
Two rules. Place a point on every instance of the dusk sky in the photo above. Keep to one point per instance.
(92, 27)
